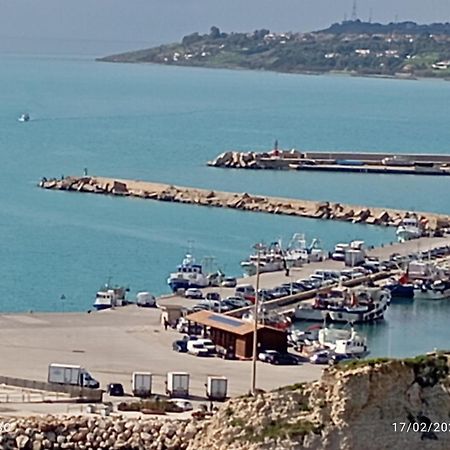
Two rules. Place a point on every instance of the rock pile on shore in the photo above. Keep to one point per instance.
(83, 432)
(245, 201)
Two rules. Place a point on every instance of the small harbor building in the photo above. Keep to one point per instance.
(236, 335)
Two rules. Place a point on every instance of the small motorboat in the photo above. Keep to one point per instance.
(25, 117)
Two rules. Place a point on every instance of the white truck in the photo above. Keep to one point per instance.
(177, 384)
(71, 375)
(142, 384)
(216, 388)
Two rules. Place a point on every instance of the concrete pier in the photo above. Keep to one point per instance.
(243, 201)
(362, 162)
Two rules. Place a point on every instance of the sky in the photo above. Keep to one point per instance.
(99, 26)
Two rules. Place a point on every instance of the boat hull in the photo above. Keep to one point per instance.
(101, 307)
(176, 285)
(401, 290)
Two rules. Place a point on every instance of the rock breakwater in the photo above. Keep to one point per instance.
(242, 201)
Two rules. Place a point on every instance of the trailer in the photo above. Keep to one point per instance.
(177, 384)
(142, 384)
(216, 388)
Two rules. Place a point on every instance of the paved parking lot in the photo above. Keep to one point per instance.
(112, 344)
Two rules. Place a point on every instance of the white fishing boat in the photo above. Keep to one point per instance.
(270, 259)
(409, 228)
(189, 274)
(299, 252)
(432, 290)
(343, 342)
(110, 297)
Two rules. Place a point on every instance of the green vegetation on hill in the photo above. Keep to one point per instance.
(405, 49)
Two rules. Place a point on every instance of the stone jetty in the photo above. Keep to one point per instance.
(242, 201)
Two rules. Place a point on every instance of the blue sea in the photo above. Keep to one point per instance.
(163, 124)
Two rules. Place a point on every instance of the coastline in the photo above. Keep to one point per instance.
(331, 73)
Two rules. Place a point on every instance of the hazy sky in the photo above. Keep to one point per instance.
(123, 24)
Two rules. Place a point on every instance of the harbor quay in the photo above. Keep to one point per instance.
(270, 280)
(362, 162)
(244, 201)
(112, 344)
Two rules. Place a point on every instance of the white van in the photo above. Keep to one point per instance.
(245, 291)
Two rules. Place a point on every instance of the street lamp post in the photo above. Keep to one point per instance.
(255, 319)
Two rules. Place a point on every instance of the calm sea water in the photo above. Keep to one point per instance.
(163, 124)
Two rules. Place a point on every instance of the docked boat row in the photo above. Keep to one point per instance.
(274, 257)
(357, 305)
(422, 280)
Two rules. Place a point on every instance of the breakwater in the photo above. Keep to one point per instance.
(242, 201)
(380, 163)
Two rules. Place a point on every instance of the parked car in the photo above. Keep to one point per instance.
(182, 404)
(115, 389)
(285, 359)
(213, 296)
(193, 293)
(212, 305)
(197, 349)
(266, 355)
(238, 302)
(180, 346)
(208, 344)
(320, 358)
(229, 282)
(246, 291)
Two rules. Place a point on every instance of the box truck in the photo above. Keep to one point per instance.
(71, 375)
(142, 384)
(177, 384)
(216, 388)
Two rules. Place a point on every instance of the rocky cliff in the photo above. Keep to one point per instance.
(385, 405)
(369, 405)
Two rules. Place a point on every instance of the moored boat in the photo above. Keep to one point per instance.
(359, 305)
(402, 288)
(110, 297)
(189, 274)
(432, 290)
(409, 228)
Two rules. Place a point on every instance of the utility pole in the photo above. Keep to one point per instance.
(258, 248)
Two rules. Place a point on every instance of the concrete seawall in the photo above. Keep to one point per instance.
(242, 201)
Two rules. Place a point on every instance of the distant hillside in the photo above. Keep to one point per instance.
(398, 49)
(412, 28)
